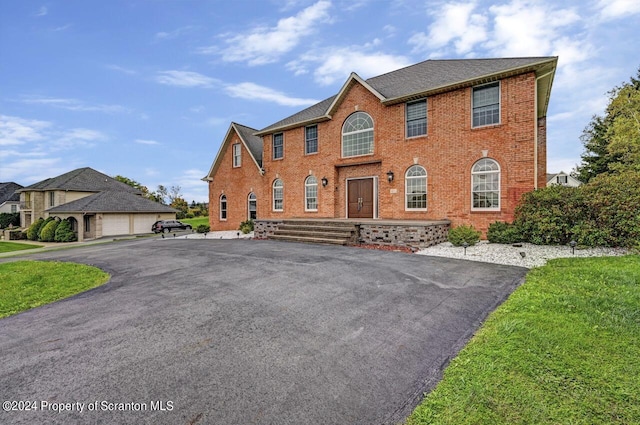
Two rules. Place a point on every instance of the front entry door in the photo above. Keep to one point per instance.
(360, 193)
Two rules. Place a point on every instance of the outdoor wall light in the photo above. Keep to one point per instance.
(390, 176)
(325, 182)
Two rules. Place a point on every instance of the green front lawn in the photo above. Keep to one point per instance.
(14, 246)
(28, 284)
(195, 222)
(563, 349)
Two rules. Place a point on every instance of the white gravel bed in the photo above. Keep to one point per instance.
(527, 255)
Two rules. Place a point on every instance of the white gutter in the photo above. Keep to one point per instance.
(535, 130)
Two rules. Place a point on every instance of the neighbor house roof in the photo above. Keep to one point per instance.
(81, 180)
(428, 78)
(248, 137)
(8, 192)
(110, 201)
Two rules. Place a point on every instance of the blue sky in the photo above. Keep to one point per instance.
(147, 88)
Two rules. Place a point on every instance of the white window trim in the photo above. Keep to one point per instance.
(426, 117)
(273, 198)
(426, 182)
(499, 104)
(226, 208)
(499, 172)
(239, 155)
(273, 144)
(305, 194)
(373, 128)
(255, 199)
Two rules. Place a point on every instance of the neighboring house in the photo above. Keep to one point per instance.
(9, 198)
(96, 204)
(562, 179)
(443, 139)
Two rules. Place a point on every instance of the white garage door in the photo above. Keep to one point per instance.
(142, 223)
(115, 224)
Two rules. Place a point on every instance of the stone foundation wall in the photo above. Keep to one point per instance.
(415, 236)
(262, 229)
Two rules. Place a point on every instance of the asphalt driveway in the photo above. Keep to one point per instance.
(244, 332)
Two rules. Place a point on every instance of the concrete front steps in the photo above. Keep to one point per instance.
(329, 232)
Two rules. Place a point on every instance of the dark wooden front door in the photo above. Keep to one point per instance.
(360, 193)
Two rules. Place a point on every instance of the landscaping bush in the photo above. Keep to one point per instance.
(64, 232)
(246, 226)
(48, 231)
(548, 216)
(203, 228)
(501, 232)
(44, 223)
(34, 229)
(461, 234)
(9, 219)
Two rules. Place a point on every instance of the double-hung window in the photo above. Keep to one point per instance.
(416, 188)
(485, 185)
(311, 194)
(223, 207)
(416, 114)
(486, 104)
(278, 195)
(237, 152)
(278, 146)
(310, 139)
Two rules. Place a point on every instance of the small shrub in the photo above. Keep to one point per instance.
(246, 226)
(461, 234)
(189, 215)
(44, 223)
(180, 215)
(64, 232)
(501, 232)
(203, 228)
(48, 231)
(34, 229)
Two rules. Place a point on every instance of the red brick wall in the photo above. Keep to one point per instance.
(236, 183)
(447, 152)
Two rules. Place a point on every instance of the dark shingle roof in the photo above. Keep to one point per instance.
(114, 202)
(254, 143)
(81, 180)
(8, 192)
(427, 77)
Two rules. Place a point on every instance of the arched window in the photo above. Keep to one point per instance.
(252, 206)
(223, 207)
(485, 185)
(415, 181)
(311, 194)
(278, 195)
(357, 135)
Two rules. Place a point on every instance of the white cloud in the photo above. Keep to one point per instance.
(614, 9)
(556, 165)
(185, 79)
(264, 44)
(42, 11)
(146, 142)
(193, 188)
(168, 35)
(74, 138)
(252, 91)
(27, 171)
(73, 104)
(453, 23)
(19, 131)
(122, 69)
(332, 65)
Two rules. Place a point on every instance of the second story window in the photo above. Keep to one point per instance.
(357, 135)
(237, 152)
(416, 118)
(311, 139)
(486, 104)
(52, 199)
(278, 146)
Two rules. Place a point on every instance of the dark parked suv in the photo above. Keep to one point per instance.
(167, 226)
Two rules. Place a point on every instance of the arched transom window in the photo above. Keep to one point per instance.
(223, 207)
(252, 206)
(278, 195)
(357, 135)
(416, 188)
(485, 185)
(311, 194)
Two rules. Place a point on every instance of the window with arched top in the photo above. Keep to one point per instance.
(357, 135)
(415, 183)
(278, 195)
(311, 194)
(252, 206)
(485, 185)
(223, 207)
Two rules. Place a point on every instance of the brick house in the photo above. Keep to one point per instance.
(459, 140)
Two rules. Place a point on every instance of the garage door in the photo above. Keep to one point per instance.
(115, 224)
(142, 223)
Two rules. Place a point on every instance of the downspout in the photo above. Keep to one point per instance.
(535, 131)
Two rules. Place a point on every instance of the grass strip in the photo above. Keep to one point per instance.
(29, 284)
(563, 349)
(15, 246)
